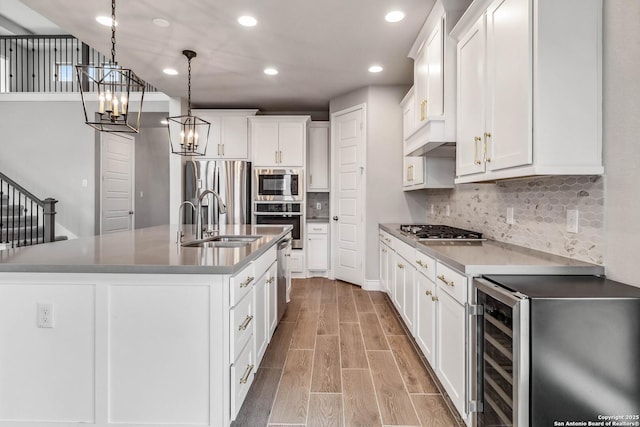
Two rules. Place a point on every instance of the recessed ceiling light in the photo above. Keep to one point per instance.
(247, 21)
(105, 20)
(164, 122)
(170, 71)
(161, 22)
(394, 16)
(375, 69)
(270, 71)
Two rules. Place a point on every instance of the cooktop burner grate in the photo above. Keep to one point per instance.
(439, 232)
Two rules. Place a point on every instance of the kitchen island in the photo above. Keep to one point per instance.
(132, 328)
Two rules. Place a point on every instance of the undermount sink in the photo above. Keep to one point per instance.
(222, 242)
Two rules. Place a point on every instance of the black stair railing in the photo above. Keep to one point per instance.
(38, 63)
(24, 218)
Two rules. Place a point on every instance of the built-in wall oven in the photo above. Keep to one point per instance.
(278, 185)
(290, 213)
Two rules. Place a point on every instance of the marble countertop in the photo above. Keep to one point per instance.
(150, 250)
(492, 257)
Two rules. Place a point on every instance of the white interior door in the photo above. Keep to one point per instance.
(348, 194)
(117, 166)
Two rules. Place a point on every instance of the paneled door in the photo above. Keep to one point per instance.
(117, 181)
(348, 195)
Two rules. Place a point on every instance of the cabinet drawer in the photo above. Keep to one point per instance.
(241, 324)
(242, 373)
(387, 238)
(404, 250)
(265, 260)
(316, 228)
(454, 283)
(241, 284)
(425, 265)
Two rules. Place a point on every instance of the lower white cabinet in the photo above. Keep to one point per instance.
(450, 335)
(272, 299)
(384, 253)
(400, 278)
(265, 310)
(242, 371)
(425, 327)
(317, 247)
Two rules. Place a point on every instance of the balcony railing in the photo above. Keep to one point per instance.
(46, 63)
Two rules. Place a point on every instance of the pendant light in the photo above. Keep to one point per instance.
(188, 134)
(115, 110)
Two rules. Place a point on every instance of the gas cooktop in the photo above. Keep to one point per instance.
(440, 232)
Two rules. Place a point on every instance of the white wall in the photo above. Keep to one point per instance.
(46, 147)
(621, 128)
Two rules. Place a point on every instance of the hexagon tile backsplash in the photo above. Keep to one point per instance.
(540, 212)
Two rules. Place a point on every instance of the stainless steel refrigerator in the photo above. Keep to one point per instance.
(229, 178)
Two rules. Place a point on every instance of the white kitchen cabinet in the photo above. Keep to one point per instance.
(429, 171)
(384, 254)
(265, 317)
(529, 91)
(296, 263)
(408, 113)
(318, 157)
(278, 141)
(400, 277)
(450, 336)
(272, 295)
(317, 246)
(404, 292)
(434, 91)
(425, 328)
(228, 135)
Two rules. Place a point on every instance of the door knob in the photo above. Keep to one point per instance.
(130, 212)
(335, 218)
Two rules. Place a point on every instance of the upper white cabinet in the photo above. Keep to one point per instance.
(318, 157)
(529, 89)
(278, 141)
(430, 108)
(228, 135)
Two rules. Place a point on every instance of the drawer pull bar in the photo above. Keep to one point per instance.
(245, 324)
(444, 279)
(246, 282)
(422, 264)
(434, 299)
(247, 372)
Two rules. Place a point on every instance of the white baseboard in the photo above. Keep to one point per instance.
(372, 285)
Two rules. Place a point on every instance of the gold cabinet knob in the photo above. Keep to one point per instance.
(428, 293)
(434, 299)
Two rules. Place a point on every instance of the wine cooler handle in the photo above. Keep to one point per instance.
(476, 318)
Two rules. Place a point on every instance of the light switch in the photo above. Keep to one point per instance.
(572, 220)
(510, 219)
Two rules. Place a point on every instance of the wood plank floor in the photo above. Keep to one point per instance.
(341, 357)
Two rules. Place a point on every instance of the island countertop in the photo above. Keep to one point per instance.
(492, 257)
(150, 250)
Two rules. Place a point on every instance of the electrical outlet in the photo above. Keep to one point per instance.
(448, 210)
(572, 220)
(45, 315)
(85, 183)
(318, 206)
(432, 209)
(510, 216)
(141, 194)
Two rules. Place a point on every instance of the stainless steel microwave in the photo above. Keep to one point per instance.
(278, 184)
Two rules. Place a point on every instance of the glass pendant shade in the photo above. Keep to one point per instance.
(114, 110)
(188, 134)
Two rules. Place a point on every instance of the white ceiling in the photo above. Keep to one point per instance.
(322, 48)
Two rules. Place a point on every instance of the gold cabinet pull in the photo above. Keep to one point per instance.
(434, 299)
(444, 279)
(428, 293)
(476, 139)
(487, 135)
(246, 322)
(247, 372)
(422, 264)
(400, 266)
(423, 110)
(246, 282)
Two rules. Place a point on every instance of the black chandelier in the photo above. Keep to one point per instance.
(188, 134)
(115, 110)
